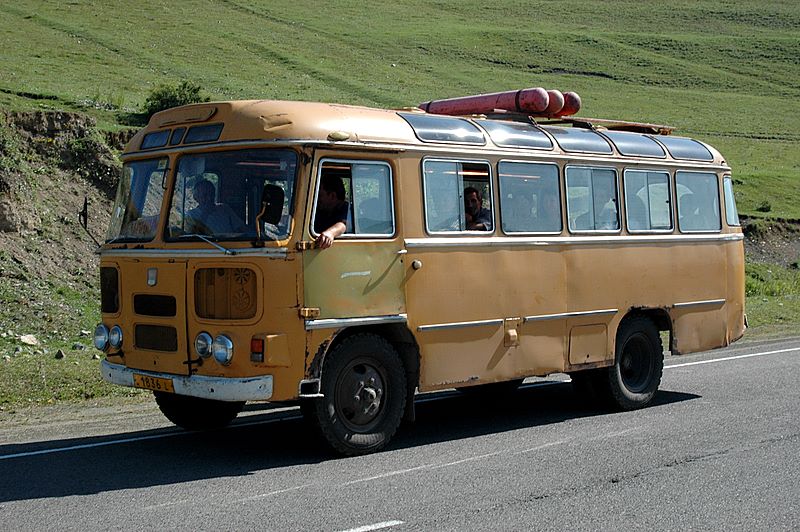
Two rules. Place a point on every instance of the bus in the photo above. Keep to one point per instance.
(474, 251)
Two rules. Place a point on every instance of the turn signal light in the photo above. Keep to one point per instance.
(257, 350)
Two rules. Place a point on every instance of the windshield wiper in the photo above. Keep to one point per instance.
(208, 241)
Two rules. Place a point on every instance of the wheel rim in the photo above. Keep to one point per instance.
(636, 363)
(360, 395)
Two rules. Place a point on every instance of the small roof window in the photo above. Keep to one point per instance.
(155, 139)
(516, 134)
(431, 128)
(208, 133)
(575, 139)
(683, 148)
(635, 144)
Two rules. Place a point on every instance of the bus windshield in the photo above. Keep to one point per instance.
(139, 197)
(233, 195)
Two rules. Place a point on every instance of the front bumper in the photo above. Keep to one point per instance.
(218, 388)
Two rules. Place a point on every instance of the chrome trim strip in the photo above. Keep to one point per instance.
(459, 325)
(219, 388)
(504, 241)
(704, 303)
(337, 323)
(565, 315)
(281, 253)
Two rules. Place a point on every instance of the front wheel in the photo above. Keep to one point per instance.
(195, 413)
(364, 395)
(633, 380)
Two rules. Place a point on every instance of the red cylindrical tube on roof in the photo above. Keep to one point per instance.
(556, 103)
(532, 101)
(572, 104)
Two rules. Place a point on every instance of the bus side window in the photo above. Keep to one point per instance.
(647, 201)
(458, 196)
(364, 197)
(592, 199)
(698, 201)
(530, 198)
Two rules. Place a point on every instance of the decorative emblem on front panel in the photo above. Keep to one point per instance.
(242, 275)
(241, 299)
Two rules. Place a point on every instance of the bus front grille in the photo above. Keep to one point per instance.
(156, 337)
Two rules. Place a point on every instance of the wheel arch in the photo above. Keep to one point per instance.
(659, 316)
(398, 335)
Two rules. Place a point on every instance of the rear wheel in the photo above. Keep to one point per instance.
(633, 380)
(364, 395)
(194, 413)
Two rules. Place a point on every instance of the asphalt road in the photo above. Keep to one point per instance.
(719, 449)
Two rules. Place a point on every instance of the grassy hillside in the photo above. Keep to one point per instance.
(726, 73)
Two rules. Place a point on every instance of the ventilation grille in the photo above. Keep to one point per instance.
(225, 293)
(156, 338)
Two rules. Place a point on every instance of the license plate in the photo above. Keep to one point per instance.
(157, 384)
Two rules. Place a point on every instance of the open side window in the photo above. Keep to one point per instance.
(357, 193)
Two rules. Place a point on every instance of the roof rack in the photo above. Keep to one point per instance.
(585, 123)
(615, 125)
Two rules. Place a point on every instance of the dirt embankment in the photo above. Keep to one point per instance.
(50, 162)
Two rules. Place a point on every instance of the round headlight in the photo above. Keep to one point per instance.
(101, 337)
(202, 344)
(222, 349)
(115, 337)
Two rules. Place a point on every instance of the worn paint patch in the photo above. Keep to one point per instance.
(345, 275)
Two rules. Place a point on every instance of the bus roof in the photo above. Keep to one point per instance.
(291, 121)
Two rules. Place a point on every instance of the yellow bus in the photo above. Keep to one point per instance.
(474, 251)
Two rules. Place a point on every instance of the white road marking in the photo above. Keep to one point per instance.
(276, 492)
(723, 359)
(376, 526)
(470, 459)
(540, 447)
(389, 474)
(176, 432)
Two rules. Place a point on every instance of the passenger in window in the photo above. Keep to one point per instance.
(330, 220)
(210, 217)
(478, 218)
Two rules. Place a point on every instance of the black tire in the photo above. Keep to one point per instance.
(364, 395)
(633, 380)
(194, 413)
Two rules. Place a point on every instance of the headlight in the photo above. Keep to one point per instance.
(115, 337)
(101, 337)
(222, 349)
(202, 344)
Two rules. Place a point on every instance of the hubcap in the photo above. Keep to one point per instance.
(359, 395)
(635, 364)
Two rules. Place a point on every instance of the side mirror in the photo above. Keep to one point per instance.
(271, 206)
(83, 217)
